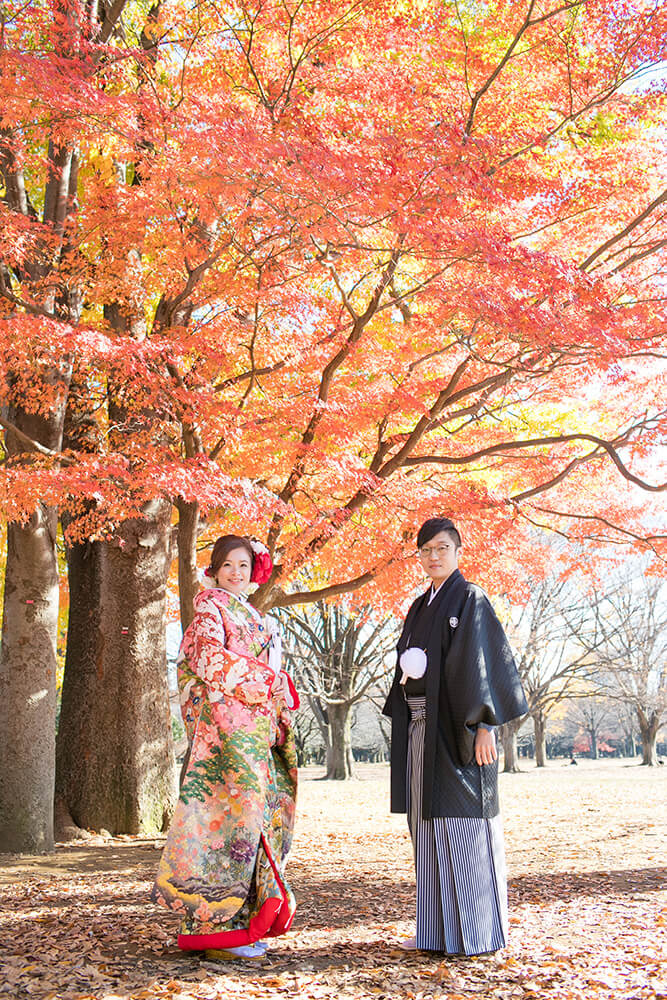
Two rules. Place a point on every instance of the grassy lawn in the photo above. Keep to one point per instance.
(588, 903)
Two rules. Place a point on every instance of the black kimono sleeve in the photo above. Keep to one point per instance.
(480, 673)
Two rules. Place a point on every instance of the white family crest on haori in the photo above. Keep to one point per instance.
(453, 622)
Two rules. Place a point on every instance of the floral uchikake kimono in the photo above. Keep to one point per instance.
(223, 863)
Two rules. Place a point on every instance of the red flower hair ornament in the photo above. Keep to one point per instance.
(262, 563)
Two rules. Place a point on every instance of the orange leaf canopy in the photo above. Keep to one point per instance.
(334, 268)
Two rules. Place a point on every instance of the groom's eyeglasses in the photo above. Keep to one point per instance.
(426, 551)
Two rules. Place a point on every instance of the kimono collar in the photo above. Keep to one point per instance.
(220, 597)
(445, 593)
(242, 600)
(432, 595)
(273, 631)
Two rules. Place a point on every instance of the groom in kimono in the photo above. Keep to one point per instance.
(455, 682)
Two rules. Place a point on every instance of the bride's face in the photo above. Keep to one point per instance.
(234, 574)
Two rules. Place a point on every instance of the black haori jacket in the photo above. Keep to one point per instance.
(471, 678)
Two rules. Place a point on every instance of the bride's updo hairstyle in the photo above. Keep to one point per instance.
(433, 527)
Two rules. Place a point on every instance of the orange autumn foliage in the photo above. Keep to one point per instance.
(327, 268)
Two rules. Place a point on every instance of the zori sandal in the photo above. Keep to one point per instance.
(242, 952)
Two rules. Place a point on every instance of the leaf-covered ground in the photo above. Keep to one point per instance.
(588, 904)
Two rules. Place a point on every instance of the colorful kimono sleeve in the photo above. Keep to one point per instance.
(225, 673)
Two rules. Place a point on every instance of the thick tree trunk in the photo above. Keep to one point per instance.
(507, 734)
(540, 728)
(28, 685)
(115, 755)
(28, 650)
(188, 583)
(339, 743)
(648, 731)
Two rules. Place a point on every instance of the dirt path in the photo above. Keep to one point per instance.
(588, 904)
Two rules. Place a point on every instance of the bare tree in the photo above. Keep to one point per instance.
(369, 739)
(626, 720)
(592, 716)
(337, 657)
(630, 647)
(550, 664)
(377, 696)
(307, 735)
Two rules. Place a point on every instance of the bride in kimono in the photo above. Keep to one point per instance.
(222, 868)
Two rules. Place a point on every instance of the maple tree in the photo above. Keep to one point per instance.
(323, 268)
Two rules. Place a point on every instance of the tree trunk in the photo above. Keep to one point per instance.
(188, 583)
(339, 743)
(648, 730)
(507, 734)
(28, 648)
(115, 754)
(28, 685)
(593, 733)
(540, 728)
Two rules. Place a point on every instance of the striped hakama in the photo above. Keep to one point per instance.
(459, 866)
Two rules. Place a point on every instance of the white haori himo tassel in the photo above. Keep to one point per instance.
(413, 663)
(275, 647)
(281, 685)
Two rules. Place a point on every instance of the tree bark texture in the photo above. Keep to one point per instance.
(115, 754)
(188, 583)
(28, 652)
(508, 733)
(28, 685)
(540, 729)
(339, 743)
(593, 734)
(648, 730)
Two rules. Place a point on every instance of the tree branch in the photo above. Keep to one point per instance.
(111, 18)
(326, 380)
(499, 68)
(35, 445)
(308, 596)
(647, 539)
(608, 446)
(640, 255)
(638, 219)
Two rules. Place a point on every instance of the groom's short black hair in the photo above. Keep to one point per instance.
(433, 527)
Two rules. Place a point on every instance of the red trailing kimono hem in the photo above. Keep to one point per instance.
(273, 919)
